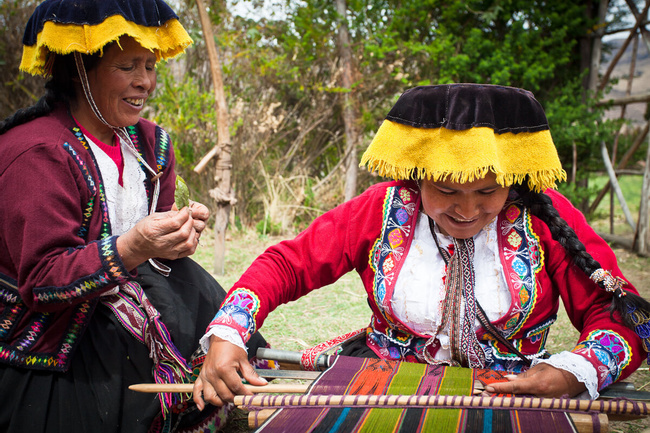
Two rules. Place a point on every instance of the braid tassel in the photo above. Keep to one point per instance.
(634, 310)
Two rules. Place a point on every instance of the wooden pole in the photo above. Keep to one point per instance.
(621, 50)
(350, 103)
(222, 192)
(597, 44)
(187, 388)
(617, 189)
(642, 238)
(644, 32)
(622, 164)
(614, 407)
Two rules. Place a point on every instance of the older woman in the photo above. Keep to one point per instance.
(464, 256)
(97, 288)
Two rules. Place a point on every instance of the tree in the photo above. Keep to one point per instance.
(283, 82)
(222, 192)
(19, 90)
(350, 103)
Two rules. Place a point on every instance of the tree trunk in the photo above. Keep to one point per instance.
(596, 46)
(350, 103)
(222, 193)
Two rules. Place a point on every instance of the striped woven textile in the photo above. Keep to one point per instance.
(360, 376)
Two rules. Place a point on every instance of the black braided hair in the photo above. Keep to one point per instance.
(59, 89)
(633, 309)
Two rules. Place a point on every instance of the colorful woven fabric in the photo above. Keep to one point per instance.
(362, 376)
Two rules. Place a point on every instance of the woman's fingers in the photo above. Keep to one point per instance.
(220, 379)
(543, 380)
(197, 393)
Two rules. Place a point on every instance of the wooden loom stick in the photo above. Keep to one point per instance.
(625, 407)
(187, 388)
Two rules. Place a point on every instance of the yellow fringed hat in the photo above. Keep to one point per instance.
(86, 26)
(459, 132)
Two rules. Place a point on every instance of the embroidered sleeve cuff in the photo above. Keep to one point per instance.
(111, 261)
(576, 365)
(607, 352)
(238, 312)
(225, 333)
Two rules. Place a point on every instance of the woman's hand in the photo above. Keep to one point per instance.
(219, 381)
(200, 214)
(166, 235)
(543, 380)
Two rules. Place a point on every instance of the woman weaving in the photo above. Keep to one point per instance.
(464, 256)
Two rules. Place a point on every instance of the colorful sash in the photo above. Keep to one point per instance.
(138, 316)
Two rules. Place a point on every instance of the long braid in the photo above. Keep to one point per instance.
(542, 207)
(633, 309)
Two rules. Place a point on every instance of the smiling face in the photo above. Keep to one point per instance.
(120, 83)
(461, 210)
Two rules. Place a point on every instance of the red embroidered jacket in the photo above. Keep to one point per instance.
(58, 254)
(372, 233)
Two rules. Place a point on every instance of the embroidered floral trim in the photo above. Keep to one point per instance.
(163, 146)
(524, 259)
(239, 311)
(386, 257)
(389, 349)
(608, 352)
(540, 332)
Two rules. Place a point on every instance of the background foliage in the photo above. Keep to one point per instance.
(281, 72)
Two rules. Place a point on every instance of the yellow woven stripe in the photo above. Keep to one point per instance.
(167, 40)
(402, 152)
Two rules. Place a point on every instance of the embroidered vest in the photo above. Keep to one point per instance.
(520, 255)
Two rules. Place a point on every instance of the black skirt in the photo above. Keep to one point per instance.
(93, 395)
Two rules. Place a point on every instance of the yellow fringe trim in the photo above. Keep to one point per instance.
(405, 152)
(167, 40)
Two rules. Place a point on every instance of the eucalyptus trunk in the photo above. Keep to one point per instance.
(350, 103)
(222, 192)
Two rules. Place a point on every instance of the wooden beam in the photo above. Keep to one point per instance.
(632, 99)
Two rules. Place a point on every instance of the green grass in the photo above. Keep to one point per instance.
(631, 189)
(324, 314)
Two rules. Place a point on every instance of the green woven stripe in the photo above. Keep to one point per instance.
(407, 379)
(457, 381)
